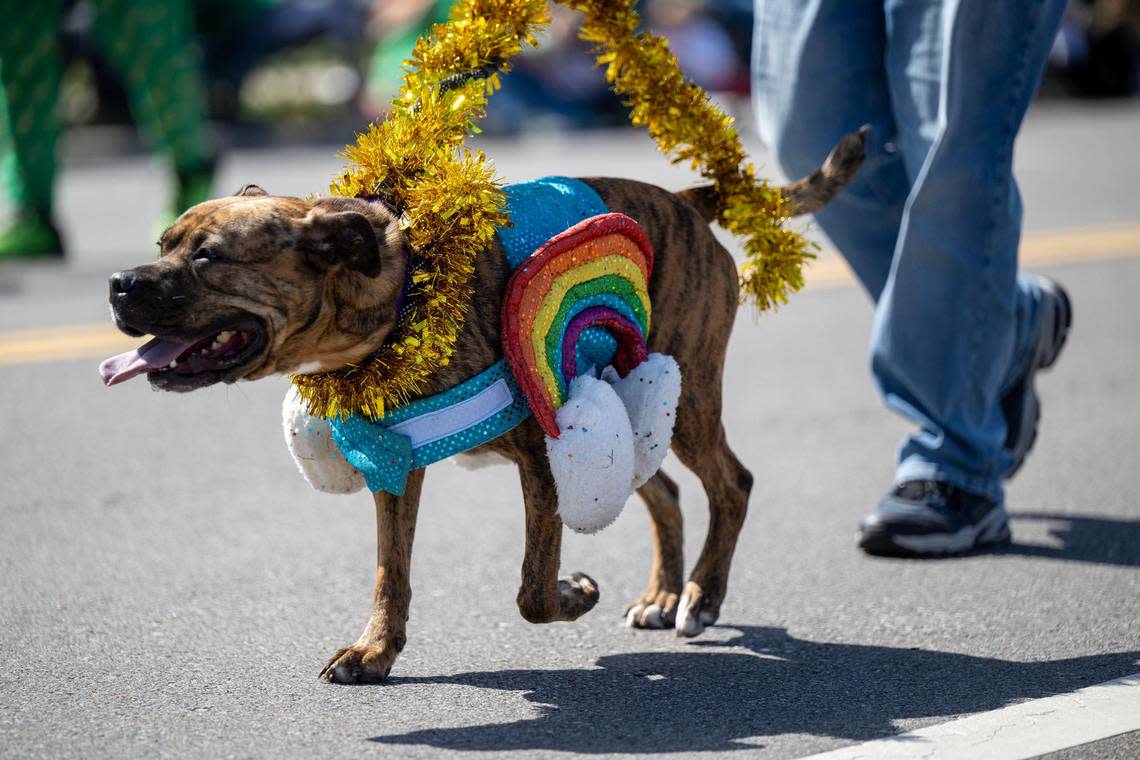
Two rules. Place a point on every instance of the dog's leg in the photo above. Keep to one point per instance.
(543, 596)
(657, 607)
(371, 657)
(700, 444)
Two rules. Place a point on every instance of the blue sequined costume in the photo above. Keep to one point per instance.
(539, 210)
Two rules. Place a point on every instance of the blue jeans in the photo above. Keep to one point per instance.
(931, 223)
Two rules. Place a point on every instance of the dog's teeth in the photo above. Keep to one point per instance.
(172, 365)
(219, 340)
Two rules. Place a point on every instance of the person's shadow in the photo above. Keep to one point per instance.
(762, 682)
(1102, 540)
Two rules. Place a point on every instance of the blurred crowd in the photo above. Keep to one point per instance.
(1097, 51)
(171, 66)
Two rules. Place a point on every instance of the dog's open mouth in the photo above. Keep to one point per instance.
(176, 364)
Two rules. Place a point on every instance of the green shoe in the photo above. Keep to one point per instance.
(31, 234)
(193, 187)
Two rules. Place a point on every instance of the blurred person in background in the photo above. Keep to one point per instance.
(1098, 48)
(559, 85)
(704, 49)
(239, 36)
(150, 46)
(556, 85)
(930, 227)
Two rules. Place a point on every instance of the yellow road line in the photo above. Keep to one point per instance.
(48, 344)
(1037, 249)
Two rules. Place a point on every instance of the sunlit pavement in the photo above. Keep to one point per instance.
(170, 586)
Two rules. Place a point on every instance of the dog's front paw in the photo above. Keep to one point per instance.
(695, 611)
(654, 610)
(360, 663)
(578, 593)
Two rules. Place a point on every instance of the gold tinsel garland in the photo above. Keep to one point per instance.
(453, 206)
(684, 123)
(449, 198)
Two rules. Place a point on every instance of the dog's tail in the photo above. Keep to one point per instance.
(807, 195)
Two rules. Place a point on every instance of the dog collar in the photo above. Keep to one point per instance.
(405, 287)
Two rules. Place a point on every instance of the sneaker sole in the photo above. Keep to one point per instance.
(993, 530)
(1045, 356)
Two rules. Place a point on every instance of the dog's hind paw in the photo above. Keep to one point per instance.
(359, 664)
(694, 612)
(653, 611)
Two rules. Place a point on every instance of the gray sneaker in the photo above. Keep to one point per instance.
(1020, 404)
(925, 518)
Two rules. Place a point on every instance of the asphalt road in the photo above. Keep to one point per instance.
(169, 586)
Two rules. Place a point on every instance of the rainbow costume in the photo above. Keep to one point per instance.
(575, 320)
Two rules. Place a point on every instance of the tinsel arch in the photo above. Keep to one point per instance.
(452, 205)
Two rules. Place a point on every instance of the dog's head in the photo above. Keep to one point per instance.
(253, 285)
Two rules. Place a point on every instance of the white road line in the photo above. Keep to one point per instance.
(1023, 730)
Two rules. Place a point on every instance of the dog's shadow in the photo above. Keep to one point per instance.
(762, 682)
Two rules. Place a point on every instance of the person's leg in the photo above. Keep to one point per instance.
(955, 325)
(151, 46)
(30, 67)
(819, 73)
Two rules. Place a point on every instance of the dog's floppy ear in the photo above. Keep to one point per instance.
(248, 190)
(341, 237)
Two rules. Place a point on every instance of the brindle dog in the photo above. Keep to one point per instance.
(258, 285)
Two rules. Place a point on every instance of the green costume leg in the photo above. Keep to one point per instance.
(30, 67)
(151, 47)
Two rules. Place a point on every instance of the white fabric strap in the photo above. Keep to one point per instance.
(432, 426)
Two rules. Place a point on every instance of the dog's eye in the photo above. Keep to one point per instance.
(202, 255)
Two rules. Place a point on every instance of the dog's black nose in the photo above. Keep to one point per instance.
(122, 282)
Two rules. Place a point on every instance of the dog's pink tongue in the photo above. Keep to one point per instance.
(151, 355)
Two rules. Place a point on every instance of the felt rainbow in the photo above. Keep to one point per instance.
(584, 292)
